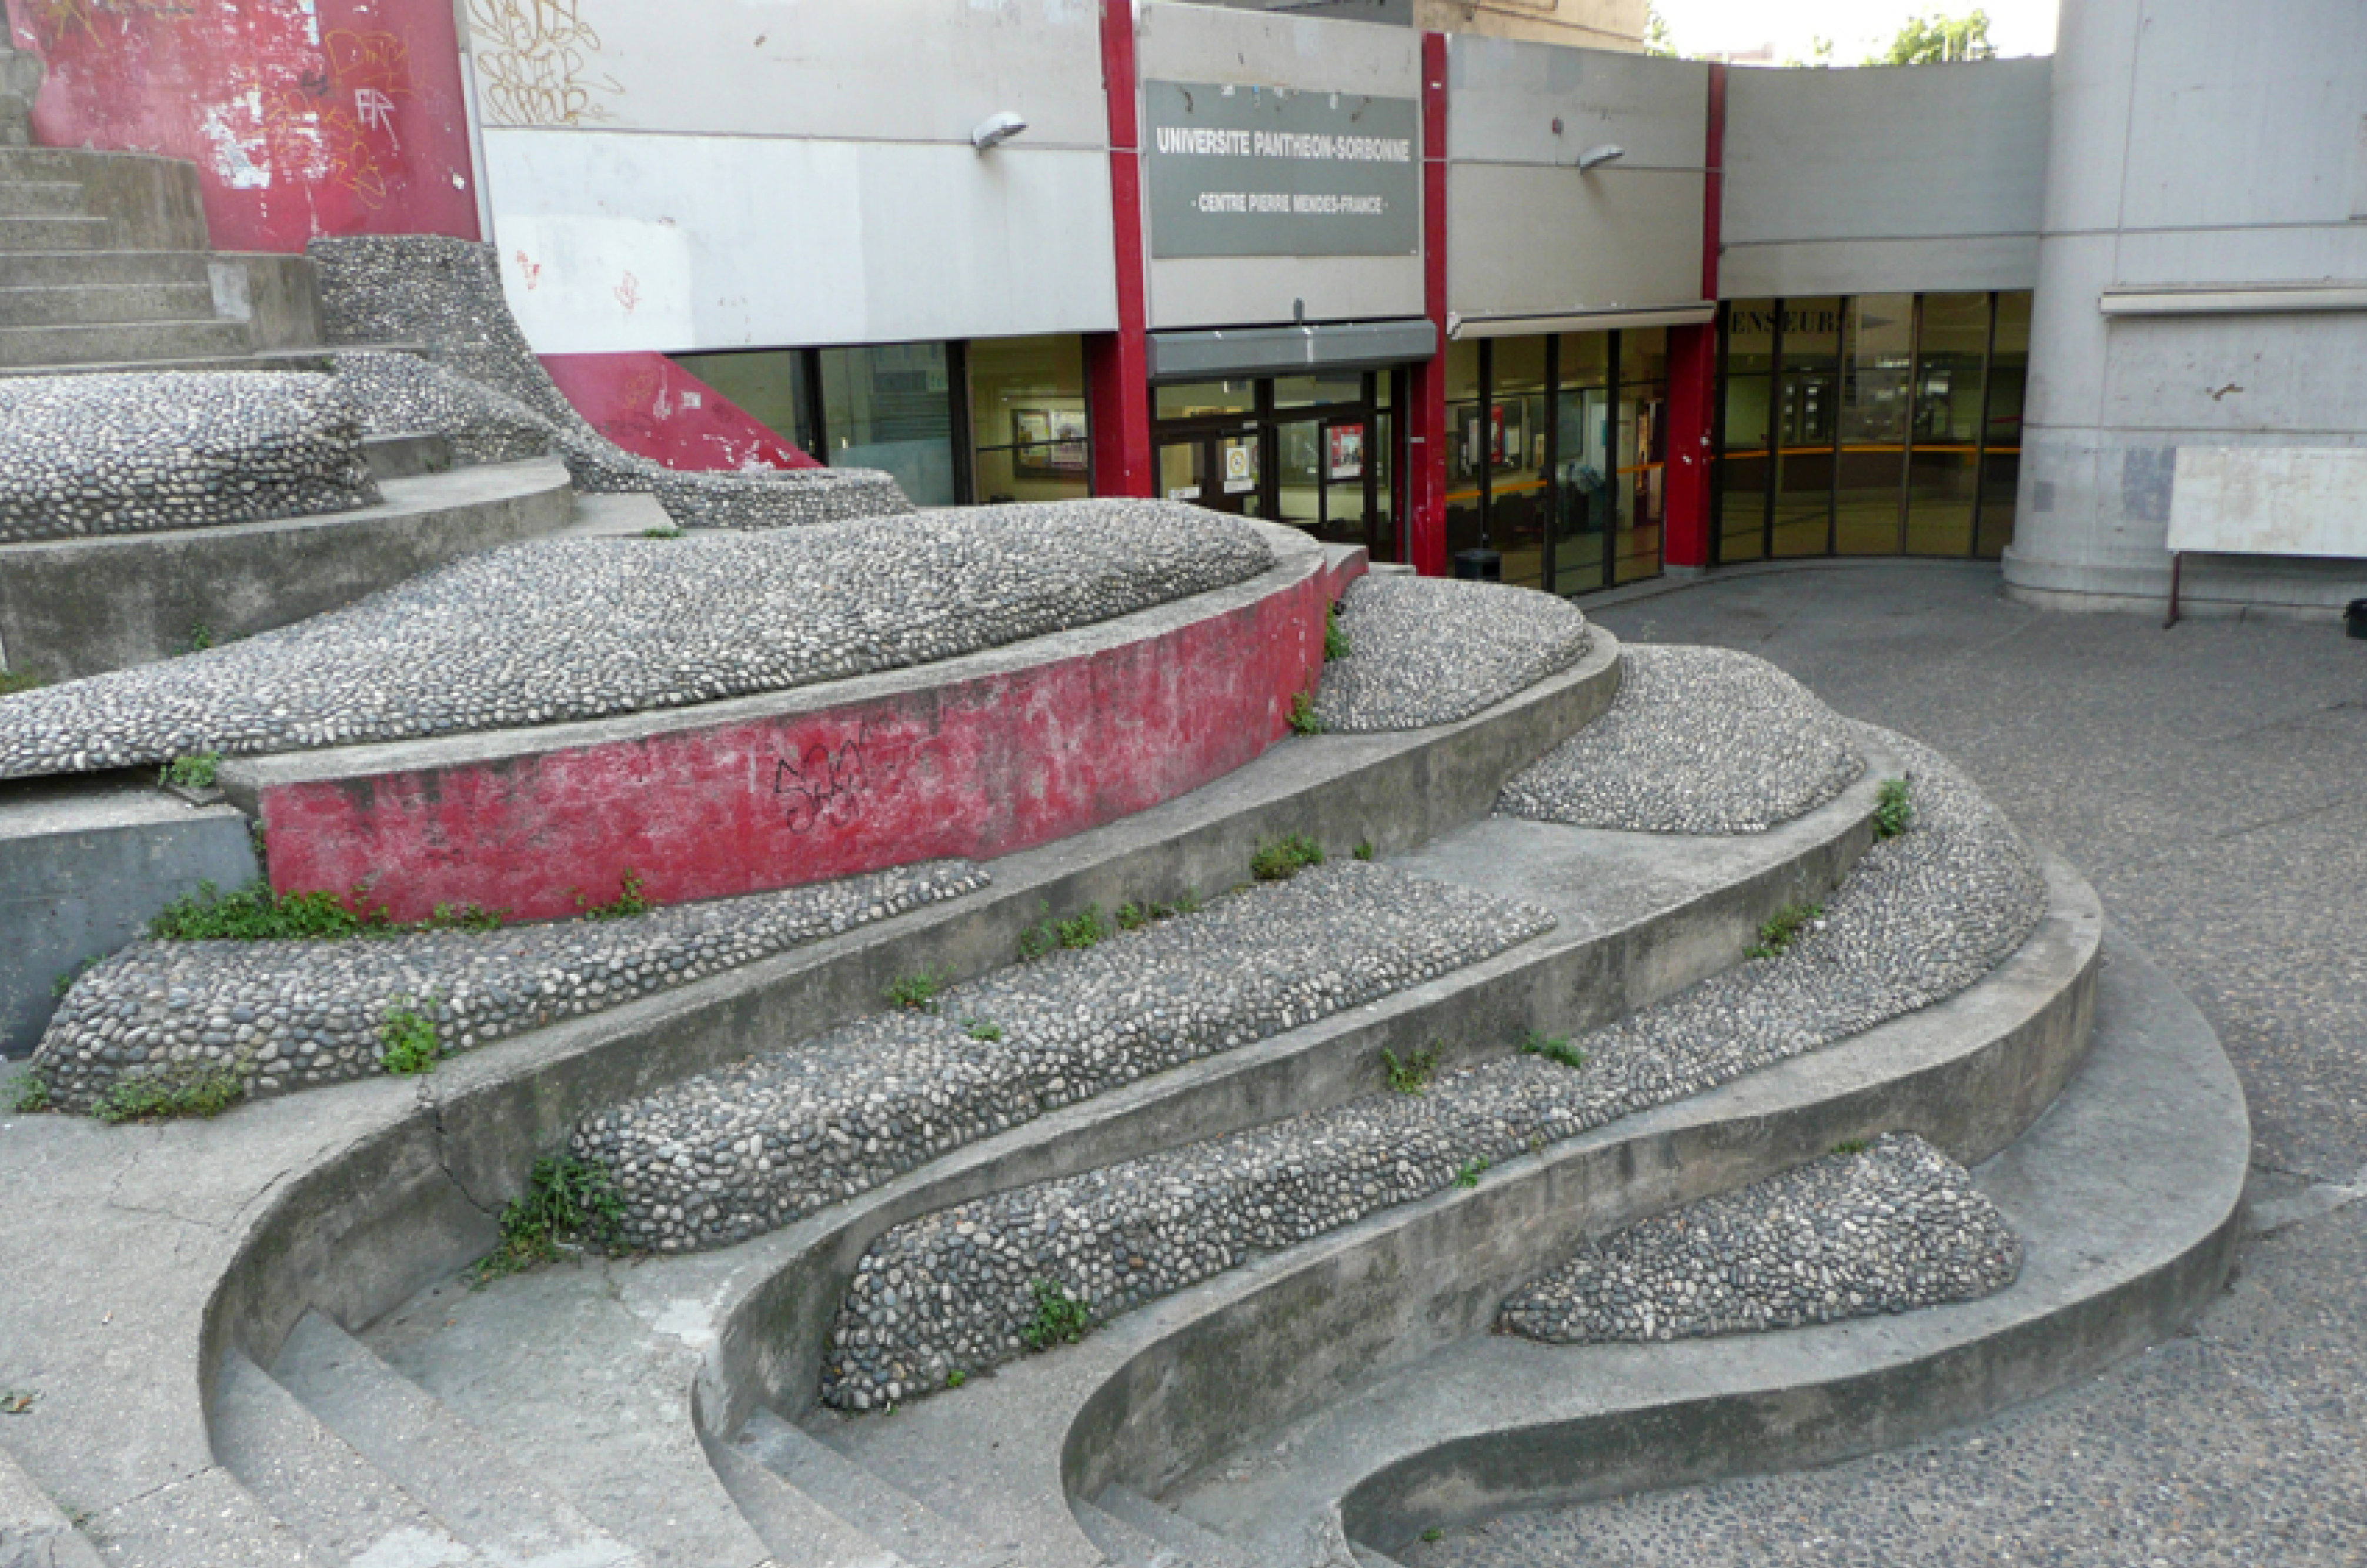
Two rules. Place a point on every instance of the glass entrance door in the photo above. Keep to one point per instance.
(1311, 451)
(1220, 470)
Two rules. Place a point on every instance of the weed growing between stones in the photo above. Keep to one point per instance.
(1785, 928)
(32, 1094)
(567, 1202)
(190, 1089)
(1279, 860)
(1188, 902)
(65, 981)
(201, 638)
(918, 992)
(1082, 931)
(1473, 1169)
(660, 532)
(14, 681)
(1411, 1076)
(192, 773)
(1060, 1318)
(1894, 812)
(255, 913)
(628, 901)
(1335, 641)
(410, 1038)
(1364, 850)
(1555, 1048)
(955, 1378)
(984, 1029)
(1303, 720)
(1852, 1147)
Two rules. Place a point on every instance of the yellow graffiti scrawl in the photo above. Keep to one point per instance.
(335, 127)
(533, 61)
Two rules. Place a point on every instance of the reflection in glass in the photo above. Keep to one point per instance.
(1516, 519)
(2009, 371)
(1186, 400)
(1745, 457)
(1465, 446)
(769, 385)
(890, 406)
(1582, 463)
(1805, 426)
(1303, 391)
(1028, 427)
(1877, 398)
(1942, 469)
(1643, 435)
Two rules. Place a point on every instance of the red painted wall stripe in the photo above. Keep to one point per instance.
(1118, 364)
(1693, 366)
(648, 404)
(1426, 427)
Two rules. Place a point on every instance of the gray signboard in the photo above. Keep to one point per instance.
(1268, 171)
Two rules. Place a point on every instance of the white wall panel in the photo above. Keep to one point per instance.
(737, 242)
(1526, 239)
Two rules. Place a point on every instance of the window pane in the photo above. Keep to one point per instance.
(1643, 452)
(1939, 472)
(1804, 429)
(2009, 371)
(769, 383)
(891, 408)
(1186, 399)
(1465, 445)
(1517, 512)
(1584, 469)
(1746, 454)
(1875, 403)
(1300, 391)
(1027, 418)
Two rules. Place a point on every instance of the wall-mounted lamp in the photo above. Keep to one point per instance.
(1595, 157)
(996, 129)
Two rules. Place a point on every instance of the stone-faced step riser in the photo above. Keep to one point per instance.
(51, 305)
(1181, 1381)
(121, 342)
(1562, 983)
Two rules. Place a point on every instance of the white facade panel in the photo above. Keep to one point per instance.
(1921, 152)
(2270, 500)
(879, 71)
(1526, 239)
(1880, 266)
(1503, 99)
(616, 241)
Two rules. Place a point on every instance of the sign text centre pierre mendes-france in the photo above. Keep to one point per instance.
(1258, 172)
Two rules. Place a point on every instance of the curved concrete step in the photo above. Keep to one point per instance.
(919, 1534)
(2126, 1195)
(1161, 1394)
(73, 607)
(1194, 1543)
(472, 1486)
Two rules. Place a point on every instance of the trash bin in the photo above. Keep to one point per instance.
(1482, 566)
(2354, 618)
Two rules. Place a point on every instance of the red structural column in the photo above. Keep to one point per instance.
(1426, 420)
(1117, 365)
(1692, 367)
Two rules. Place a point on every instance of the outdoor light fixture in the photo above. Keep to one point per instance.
(1595, 157)
(996, 129)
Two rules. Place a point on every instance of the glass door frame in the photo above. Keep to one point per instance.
(1264, 421)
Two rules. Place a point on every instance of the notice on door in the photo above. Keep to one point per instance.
(1266, 171)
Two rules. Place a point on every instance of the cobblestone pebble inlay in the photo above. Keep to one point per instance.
(288, 1015)
(445, 294)
(1426, 651)
(1699, 740)
(748, 1148)
(1888, 1229)
(402, 394)
(559, 629)
(1923, 916)
(138, 453)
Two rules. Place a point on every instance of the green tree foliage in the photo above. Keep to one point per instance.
(1657, 39)
(1939, 39)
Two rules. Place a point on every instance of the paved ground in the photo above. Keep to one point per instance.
(2211, 782)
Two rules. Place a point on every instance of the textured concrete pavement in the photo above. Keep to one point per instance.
(2211, 782)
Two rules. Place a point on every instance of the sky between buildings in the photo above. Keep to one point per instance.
(1858, 28)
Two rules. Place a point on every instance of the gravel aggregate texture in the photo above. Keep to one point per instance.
(1698, 740)
(292, 1014)
(402, 394)
(1425, 651)
(1922, 916)
(141, 453)
(445, 295)
(733, 1153)
(1886, 1229)
(559, 629)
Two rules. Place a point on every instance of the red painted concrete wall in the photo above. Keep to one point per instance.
(303, 117)
(646, 404)
(1117, 365)
(1425, 530)
(979, 767)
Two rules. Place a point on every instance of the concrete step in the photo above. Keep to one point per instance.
(1123, 1544)
(89, 304)
(480, 1496)
(407, 457)
(1194, 1541)
(34, 1531)
(135, 343)
(74, 607)
(2128, 1197)
(40, 199)
(55, 234)
(313, 1480)
(914, 1532)
(795, 1527)
(48, 269)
